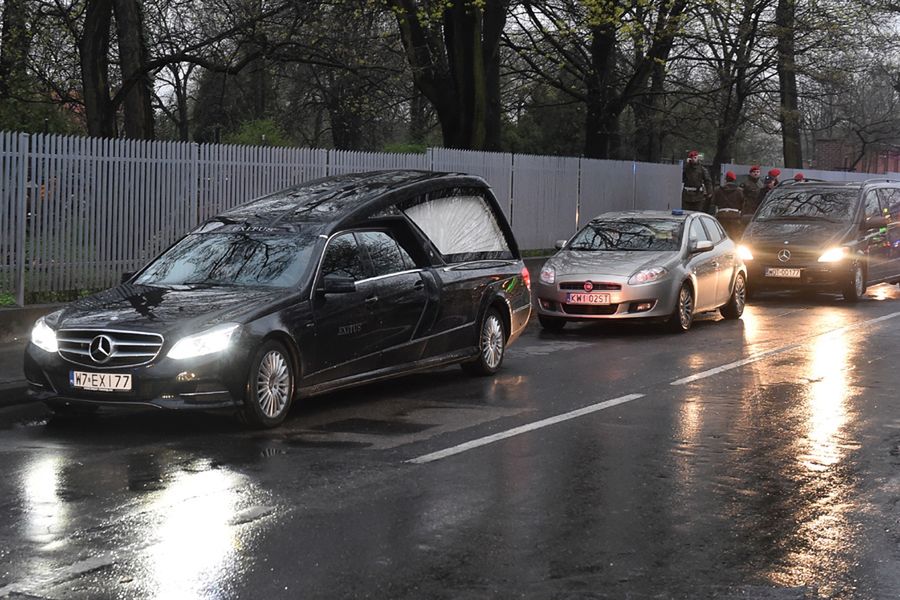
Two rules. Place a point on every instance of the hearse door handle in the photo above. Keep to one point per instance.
(371, 300)
(418, 285)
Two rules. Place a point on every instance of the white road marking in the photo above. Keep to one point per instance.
(762, 355)
(434, 456)
(523, 429)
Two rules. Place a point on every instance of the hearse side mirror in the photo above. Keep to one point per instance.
(874, 223)
(338, 284)
(127, 275)
(701, 246)
(560, 244)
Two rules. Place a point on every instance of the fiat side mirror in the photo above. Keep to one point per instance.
(560, 243)
(701, 246)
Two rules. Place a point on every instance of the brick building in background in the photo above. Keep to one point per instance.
(839, 155)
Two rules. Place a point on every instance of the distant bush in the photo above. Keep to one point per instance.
(263, 132)
(405, 148)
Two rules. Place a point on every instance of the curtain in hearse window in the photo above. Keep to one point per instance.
(461, 225)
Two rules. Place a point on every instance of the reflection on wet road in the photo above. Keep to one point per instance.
(774, 475)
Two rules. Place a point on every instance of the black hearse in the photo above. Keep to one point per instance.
(825, 235)
(329, 284)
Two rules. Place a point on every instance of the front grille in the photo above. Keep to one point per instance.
(589, 309)
(116, 349)
(598, 286)
(799, 257)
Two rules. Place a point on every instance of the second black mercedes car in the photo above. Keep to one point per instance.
(329, 284)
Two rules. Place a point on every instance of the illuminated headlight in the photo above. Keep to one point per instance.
(647, 275)
(834, 254)
(43, 336)
(211, 341)
(548, 274)
(744, 252)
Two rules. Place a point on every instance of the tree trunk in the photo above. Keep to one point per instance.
(789, 115)
(602, 119)
(15, 42)
(458, 69)
(94, 56)
(138, 103)
(494, 23)
(648, 117)
(417, 117)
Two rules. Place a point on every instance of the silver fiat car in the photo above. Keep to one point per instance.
(658, 265)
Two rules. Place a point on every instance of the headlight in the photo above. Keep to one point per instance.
(214, 340)
(647, 275)
(834, 254)
(43, 336)
(744, 252)
(548, 274)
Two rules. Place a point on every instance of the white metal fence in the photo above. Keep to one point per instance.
(76, 212)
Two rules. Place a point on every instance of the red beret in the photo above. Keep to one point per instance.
(774, 172)
(693, 154)
(730, 176)
(798, 177)
(754, 168)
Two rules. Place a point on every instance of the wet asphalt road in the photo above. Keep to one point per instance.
(772, 472)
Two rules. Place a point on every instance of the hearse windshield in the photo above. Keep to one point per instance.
(250, 259)
(794, 205)
(651, 234)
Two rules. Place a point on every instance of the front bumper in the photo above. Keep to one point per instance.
(624, 302)
(208, 382)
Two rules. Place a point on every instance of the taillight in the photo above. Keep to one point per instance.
(526, 277)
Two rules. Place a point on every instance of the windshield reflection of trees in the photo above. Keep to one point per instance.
(232, 259)
(628, 235)
(829, 205)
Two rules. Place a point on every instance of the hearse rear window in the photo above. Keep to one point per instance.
(461, 225)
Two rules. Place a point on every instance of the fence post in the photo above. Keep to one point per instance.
(21, 216)
(194, 175)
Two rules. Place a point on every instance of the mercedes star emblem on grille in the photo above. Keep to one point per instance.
(784, 255)
(101, 349)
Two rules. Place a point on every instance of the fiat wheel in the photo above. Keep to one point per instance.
(491, 345)
(735, 307)
(270, 386)
(551, 323)
(683, 316)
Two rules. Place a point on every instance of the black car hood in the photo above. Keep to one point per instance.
(176, 309)
(808, 233)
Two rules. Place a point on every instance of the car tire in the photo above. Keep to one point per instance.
(855, 288)
(270, 386)
(683, 315)
(735, 306)
(492, 336)
(551, 323)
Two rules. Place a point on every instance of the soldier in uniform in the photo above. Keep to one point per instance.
(696, 184)
(751, 187)
(728, 202)
(769, 184)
